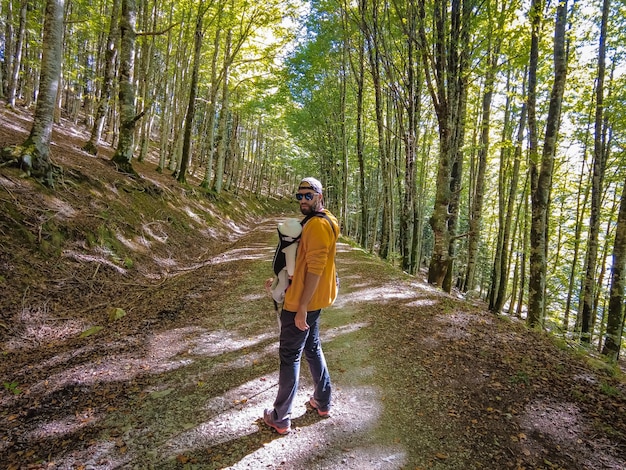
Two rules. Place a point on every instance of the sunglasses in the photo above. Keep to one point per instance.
(307, 196)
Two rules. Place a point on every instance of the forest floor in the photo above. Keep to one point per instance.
(135, 333)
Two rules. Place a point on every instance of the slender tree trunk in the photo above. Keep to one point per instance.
(17, 60)
(224, 112)
(212, 104)
(360, 144)
(8, 49)
(479, 190)
(193, 90)
(583, 192)
(344, 138)
(525, 248)
(541, 172)
(373, 47)
(128, 119)
(506, 239)
(110, 57)
(599, 164)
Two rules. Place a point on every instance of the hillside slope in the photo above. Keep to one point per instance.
(135, 333)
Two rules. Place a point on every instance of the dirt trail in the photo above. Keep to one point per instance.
(422, 380)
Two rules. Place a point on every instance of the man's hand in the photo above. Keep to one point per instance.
(300, 319)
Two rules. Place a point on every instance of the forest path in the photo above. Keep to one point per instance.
(422, 380)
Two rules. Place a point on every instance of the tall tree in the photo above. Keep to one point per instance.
(193, 91)
(446, 77)
(17, 59)
(599, 165)
(373, 39)
(494, 43)
(541, 171)
(34, 153)
(128, 118)
(110, 57)
(615, 321)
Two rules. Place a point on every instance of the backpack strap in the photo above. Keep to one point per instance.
(319, 214)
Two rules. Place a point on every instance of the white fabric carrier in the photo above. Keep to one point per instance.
(284, 263)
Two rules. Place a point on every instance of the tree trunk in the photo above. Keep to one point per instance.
(222, 143)
(17, 60)
(193, 90)
(360, 141)
(506, 238)
(124, 151)
(615, 321)
(8, 49)
(599, 164)
(541, 172)
(476, 209)
(34, 153)
(210, 143)
(447, 67)
(373, 48)
(110, 57)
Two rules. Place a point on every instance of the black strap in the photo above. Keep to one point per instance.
(319, 214)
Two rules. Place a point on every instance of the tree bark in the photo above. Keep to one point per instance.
(128, 119)
(17, 60)
(541, 172)
(599, 164)
(110, 57)
(615, 321)
(34, 154)
(193, 91)
(223, 117)
(446, 78)
(373, 48)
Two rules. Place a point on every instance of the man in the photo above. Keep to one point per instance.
(312, 288)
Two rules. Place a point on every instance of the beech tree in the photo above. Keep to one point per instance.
(541, 170)
(110, 58)
(34, 154)
(599, 166)
(445, 60)
(128, 117)
(615, 322)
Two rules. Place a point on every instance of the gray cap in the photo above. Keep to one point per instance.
(311, 183)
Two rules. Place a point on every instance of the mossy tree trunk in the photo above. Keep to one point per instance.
(124, 151)
(34, 154)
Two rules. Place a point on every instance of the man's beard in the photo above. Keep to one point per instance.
(306, 210)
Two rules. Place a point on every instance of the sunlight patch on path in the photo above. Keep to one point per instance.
(162, 354)
(376, 294)
(332, 333)
(234, 415)
(347, 440)
(214, 343)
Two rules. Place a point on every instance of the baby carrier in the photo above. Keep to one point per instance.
(284, 263)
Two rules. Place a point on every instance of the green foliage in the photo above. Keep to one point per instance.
(520, 377)
(12, 387)
(116, 313)
(91, 331)
(609, 390)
